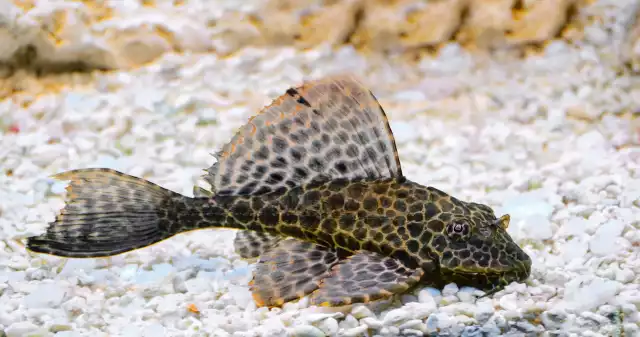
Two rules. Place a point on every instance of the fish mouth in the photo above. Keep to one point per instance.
(519, 271)
(483, 280)
(488, 278)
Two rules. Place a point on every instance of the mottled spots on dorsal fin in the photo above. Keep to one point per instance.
(326, 129)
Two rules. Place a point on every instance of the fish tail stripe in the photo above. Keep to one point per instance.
(107, 213)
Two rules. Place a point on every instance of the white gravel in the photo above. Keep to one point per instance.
(554, 140)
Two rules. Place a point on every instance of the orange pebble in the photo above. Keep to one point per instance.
(192, 307)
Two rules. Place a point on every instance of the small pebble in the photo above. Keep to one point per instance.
(372, 322)
(353, 332)
(396, 317)
(329, 326)
(20, 329)
(307, 331)
(361, 311)
(450, 289)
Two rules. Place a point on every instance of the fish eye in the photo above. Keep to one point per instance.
(458, 229)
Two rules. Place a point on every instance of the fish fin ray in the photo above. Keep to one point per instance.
(251, 244)
(326, 129)
(199, 192)
(365, 277)
(289, 271)
(106, 213)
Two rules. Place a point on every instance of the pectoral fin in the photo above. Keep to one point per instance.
(289, 271)
(250, 244)
(365, 277)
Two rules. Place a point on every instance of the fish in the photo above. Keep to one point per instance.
(314, 187)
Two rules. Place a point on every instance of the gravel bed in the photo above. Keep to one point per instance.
(553, 140)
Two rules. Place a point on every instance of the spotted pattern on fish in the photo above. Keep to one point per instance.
(344, 134)
(251, 244)
(365, 277)
(314, 185)
(291, 270)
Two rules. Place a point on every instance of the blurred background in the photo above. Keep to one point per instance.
(67, 36)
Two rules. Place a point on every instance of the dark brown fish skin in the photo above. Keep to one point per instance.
(319, 164)
(393, 217)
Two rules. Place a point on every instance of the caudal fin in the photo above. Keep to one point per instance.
(107, 213)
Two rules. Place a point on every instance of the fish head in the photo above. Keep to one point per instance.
(478, 251)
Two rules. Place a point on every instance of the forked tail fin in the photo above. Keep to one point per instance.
(108, 213)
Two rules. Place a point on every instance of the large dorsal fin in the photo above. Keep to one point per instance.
(325, 129)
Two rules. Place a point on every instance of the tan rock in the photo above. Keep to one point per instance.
(15, 30)
(299, 23)
(404, 24)
(486, 23)
(92, 34)
(543, 20)
(136, 42)
(124, 34)
(65, 36)
(631, 45)
(58, 33)
(137, 46)
(235, 31)
(306, 23)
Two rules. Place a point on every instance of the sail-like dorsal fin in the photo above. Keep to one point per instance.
(330, 128)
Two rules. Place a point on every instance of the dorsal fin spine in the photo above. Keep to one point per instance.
(317, 115)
